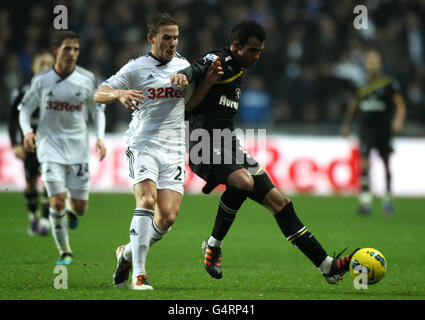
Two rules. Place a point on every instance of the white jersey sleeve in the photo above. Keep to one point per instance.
(122, 79)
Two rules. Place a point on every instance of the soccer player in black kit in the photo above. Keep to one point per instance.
(218, 79)
(382, 111)
(38, 225)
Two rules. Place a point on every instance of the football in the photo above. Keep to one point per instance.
(371, 261)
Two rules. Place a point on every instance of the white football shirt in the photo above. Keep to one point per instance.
(65, 105)
(160, 119)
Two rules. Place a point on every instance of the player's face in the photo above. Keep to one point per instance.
(372, 63)
(248, 55)
(164, 43)
(67, 53)
(42, 62)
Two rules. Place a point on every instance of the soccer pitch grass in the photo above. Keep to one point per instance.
(258, 263)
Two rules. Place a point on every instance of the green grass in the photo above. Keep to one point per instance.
(258, 263)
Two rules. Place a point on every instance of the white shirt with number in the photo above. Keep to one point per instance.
(160, 120)
(65, 105)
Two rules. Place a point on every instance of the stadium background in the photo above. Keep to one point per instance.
(301, 85)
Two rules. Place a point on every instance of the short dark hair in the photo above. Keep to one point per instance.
(158, 20)
(247, 29)
(61, 35)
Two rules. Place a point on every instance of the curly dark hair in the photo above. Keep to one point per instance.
(247, 29)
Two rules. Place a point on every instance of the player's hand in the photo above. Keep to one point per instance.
(397, 126)
(29, 142)
(131, 98)
(19, 152)
(215, 72)
(179, 80)
(100, 147)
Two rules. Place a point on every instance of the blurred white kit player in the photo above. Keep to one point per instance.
(63, 140)
(155, 144)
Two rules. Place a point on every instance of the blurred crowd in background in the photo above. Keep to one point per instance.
(308, 73)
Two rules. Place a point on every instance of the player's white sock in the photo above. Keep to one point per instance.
(140, 236)
(325, 266)
(127, 252)
(157, 233)
(213, 242)
(59, 226)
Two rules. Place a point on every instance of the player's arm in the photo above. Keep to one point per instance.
(129, 98)
(100, 125)
(348, 117)
(399, 114)
(215, 72)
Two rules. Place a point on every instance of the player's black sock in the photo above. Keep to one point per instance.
(31, 199)
(296, 233)
(388, 180)
(45, 205)
(230, 202)
(364, 180)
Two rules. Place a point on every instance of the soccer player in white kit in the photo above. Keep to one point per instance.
(64, 94)
(155, 144)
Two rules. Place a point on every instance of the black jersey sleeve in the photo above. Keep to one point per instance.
(197, 70)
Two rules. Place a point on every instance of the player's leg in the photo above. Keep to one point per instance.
(44, 222)
(53, 175)
(75, 206)
(169, 202)
(365, 195)
(58, 221)
(31, 201)
(239, 183)
(295, 232)
(387, 202)
(78, 183)
(145, 193)
(31, 193)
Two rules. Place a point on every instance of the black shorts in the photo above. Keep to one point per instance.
(380, 141)
(223, 161)
(31, 166)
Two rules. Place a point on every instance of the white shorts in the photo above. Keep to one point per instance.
(167, 170)
(59, 178)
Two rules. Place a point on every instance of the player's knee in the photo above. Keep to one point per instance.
(167, 219)
(242, 180)
(147, 201)
(80, 207)
(57, 204)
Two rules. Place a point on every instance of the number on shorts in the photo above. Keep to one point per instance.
(179, 174)
(80, 172)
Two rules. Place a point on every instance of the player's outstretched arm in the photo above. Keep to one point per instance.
(128, 98)
(215, 72)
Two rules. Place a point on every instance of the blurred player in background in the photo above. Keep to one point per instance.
(39, 223)
(219, 78)
(64, 96)
(382, 112)
(155, 144)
